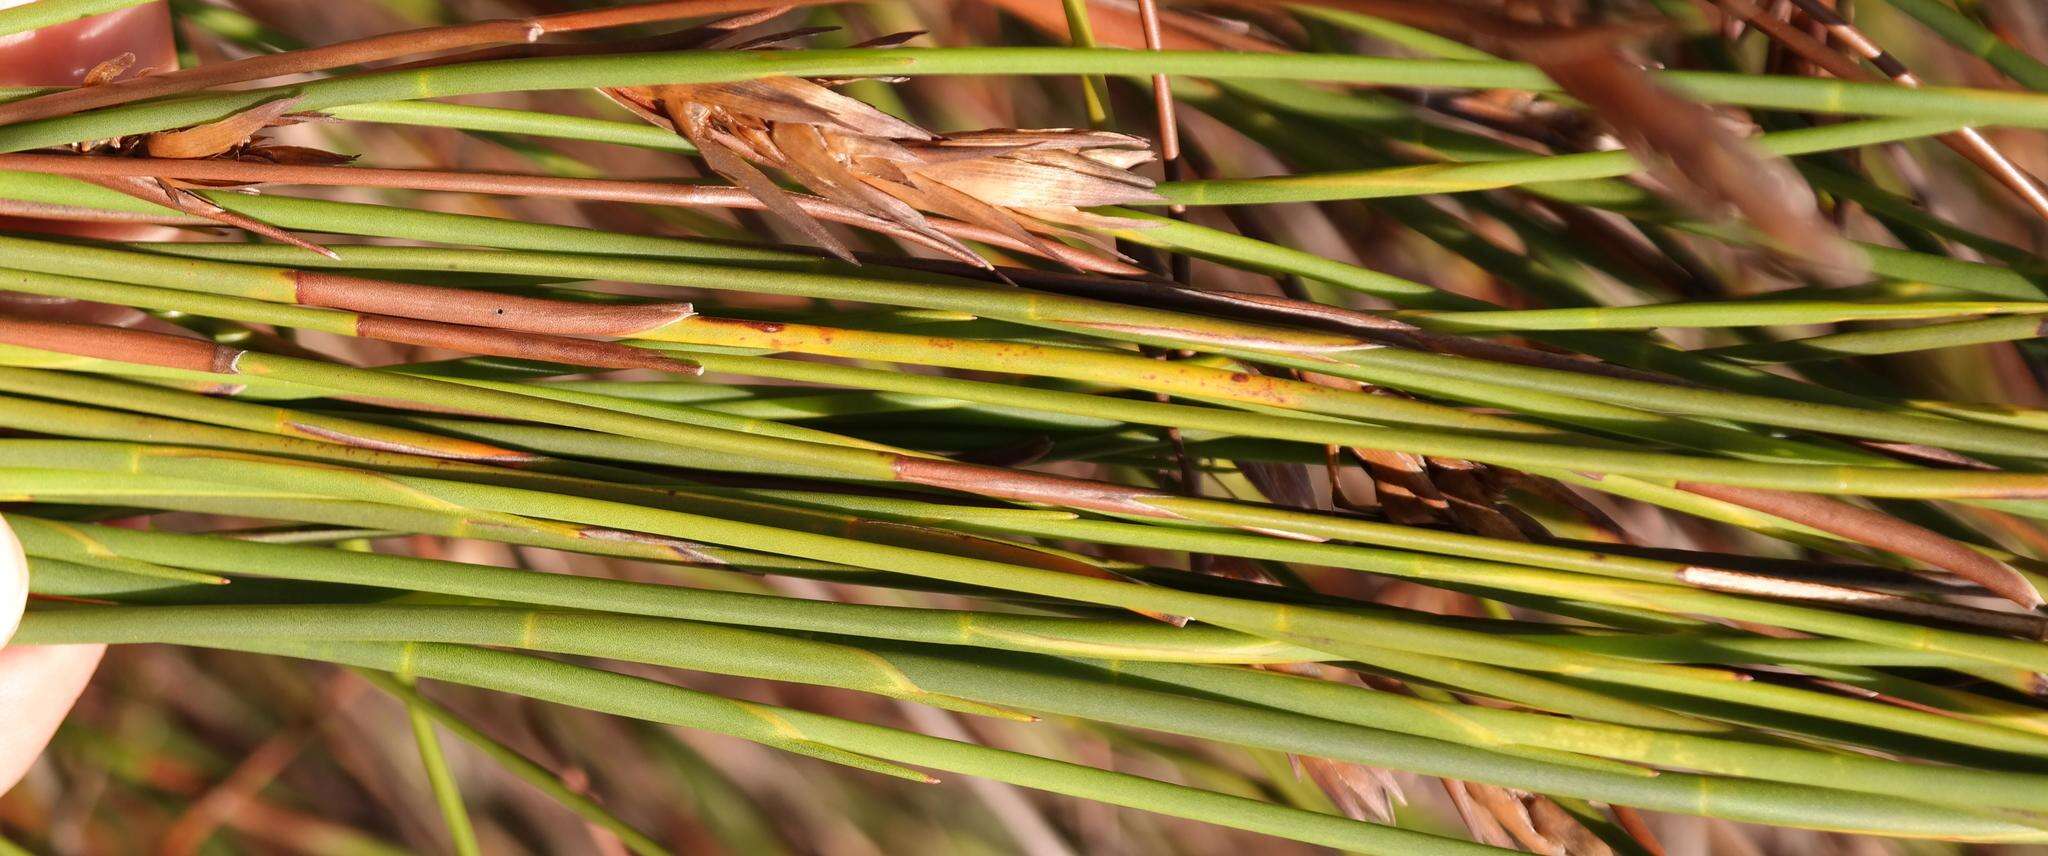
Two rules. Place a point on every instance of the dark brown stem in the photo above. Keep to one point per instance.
(76, 214)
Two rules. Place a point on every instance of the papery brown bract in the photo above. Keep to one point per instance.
(1027, 184)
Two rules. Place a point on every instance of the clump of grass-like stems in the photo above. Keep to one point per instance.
(1388, 426)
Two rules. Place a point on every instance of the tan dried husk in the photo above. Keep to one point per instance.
(238, 137)
(1029, 184)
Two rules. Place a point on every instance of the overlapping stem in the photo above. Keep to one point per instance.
(1863, 692)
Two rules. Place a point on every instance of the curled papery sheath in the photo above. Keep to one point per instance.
(13, 582)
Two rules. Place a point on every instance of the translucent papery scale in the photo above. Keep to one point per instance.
(811, 160)
(1085, 163)
(790, 99)
(1054, 138)
(756, 140)
(966, 206)
(863, 152)
(751, 99)
(1072, 216)
(1011, 182)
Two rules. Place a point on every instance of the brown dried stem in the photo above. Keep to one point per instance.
(116, 343)
(1883, 531)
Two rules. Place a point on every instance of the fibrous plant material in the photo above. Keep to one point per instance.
(1387, 426)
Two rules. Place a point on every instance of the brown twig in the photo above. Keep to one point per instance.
(1968, 141)
(1162, 96)
(516, 345)
(119, 344)
(1119, 25)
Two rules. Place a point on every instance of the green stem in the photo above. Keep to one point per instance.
(447, 793)
(1978, 107)
(46, 13)
(1050, 688)
(518, 765)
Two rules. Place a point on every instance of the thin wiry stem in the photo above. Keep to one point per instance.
(612, 190)
(368, 50)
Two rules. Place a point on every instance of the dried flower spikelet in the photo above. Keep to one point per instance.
(1360, 792)
(1029, 185)
(1028, 182)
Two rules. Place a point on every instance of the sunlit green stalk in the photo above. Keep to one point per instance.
(822, 736)
(1016, 684)
(1980, 107)
(1320, 629)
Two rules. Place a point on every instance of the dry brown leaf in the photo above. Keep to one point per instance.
(105, 72)
(727, 162)
(947, 200)
(1880, 530)
(1360, 792)
(1686, 146)
(213, 138)
(1680, 140)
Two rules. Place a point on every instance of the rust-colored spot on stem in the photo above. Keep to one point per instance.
(686, 551)
(518, 345)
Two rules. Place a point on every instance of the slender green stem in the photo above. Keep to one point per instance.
(447, 793)
(45, 13)
(1865, 343)
(1094, 88)
(1978, 107)
(469, 117)
(1733, 313)
(1034, 686)
(1964, 33)
(823, 736)
(1317, 628)
(517, 764)
(1422, 179)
